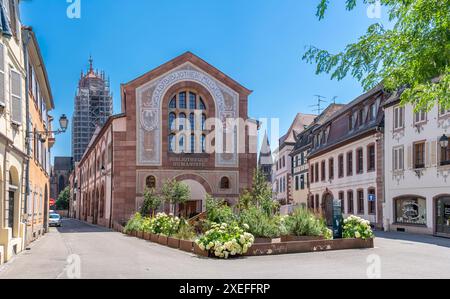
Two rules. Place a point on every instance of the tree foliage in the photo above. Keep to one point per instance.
(175, 192)
(152, 201)
(413, 55)
(62, 203)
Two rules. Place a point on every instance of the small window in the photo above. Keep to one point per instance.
(349, 163)
(297, 183)
(331, 168)
(225, 183)
(360, 161)
(350, 209)
(361, 202)
(350, 122)
(341, 166)
(398, 159)
(172, 118)
(445, 155)
(302, 182)
(419, 155)
(192, 143)
(399, 120)
(192, 101)
(150, 182)
(201, 105)
(317, 172)
(420, 117)
(371, 158)
(172, 143)
(341, 199)
(182, 121)
(322, 170)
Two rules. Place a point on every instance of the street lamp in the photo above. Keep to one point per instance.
(63, 124)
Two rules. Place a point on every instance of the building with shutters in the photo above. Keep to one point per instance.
(37, 169)
(282, 167)
(346, 160)
(93, 106)
(299, 157)
(186, 121)
(12, 132)
(417, 169)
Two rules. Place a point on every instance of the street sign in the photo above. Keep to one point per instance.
(52, 202)
(337, 219)
(372, 197)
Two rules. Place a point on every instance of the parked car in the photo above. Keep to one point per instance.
(55, 220)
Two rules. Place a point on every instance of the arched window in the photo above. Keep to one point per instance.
(182, 100)
(192, 121)
(172, 118)
(202, 105)
(192, 101)
(182, 144)
(203, 143)
(150, 182)
(192, 143)
(225, 183)
(203, 122)
(182, 122)
(171, 143)
(187, 112)
(173, 103)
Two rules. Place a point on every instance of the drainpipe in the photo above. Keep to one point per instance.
(28, 129)
(111, 175)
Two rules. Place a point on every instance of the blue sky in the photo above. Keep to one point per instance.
(259, 43)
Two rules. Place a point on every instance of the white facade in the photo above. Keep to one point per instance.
(282, 174)
(334, 184)
(415, 179)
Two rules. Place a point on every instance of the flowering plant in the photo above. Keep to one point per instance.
(225, 240)
(355, 227)
(135, 223)
(164, 224)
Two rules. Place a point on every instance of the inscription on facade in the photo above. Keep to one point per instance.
(188, 162)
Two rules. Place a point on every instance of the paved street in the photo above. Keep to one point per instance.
(106, 254)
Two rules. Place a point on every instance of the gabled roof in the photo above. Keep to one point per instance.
(300, 123)
(195, 60)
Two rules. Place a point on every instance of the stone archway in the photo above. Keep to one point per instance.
(200, 188)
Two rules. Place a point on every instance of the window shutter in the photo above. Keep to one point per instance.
(427, 154)
(16, 100)
(410, 157)
(433, 153)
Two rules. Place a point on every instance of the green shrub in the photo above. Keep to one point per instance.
(355, 227)
(134, 224)
(217, 211)
(260, 224)
(185, 231)
(305, 223)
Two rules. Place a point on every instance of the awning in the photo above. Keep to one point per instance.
(5, 28)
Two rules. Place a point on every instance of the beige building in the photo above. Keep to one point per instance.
(12, 133)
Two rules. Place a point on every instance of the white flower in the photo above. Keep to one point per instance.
(246, 226)
(357, 235)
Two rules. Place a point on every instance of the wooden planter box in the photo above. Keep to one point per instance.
(154, 238)
(173, 242)
(309, 246)
(147, 236)
(300, 238)
(200, 252)
(162, 240)
(134, 233)
(140, 235)
(186, 245)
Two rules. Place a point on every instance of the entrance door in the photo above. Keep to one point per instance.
(443, 216)
(328, 209)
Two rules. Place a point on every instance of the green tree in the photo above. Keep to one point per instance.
(413, 55)
(175, 192)
(260, 195)
(62, 203)
(152, 201)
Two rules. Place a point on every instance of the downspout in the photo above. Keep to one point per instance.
(28, 129)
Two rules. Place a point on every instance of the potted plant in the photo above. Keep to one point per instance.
(303, 225)
(357, 228)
